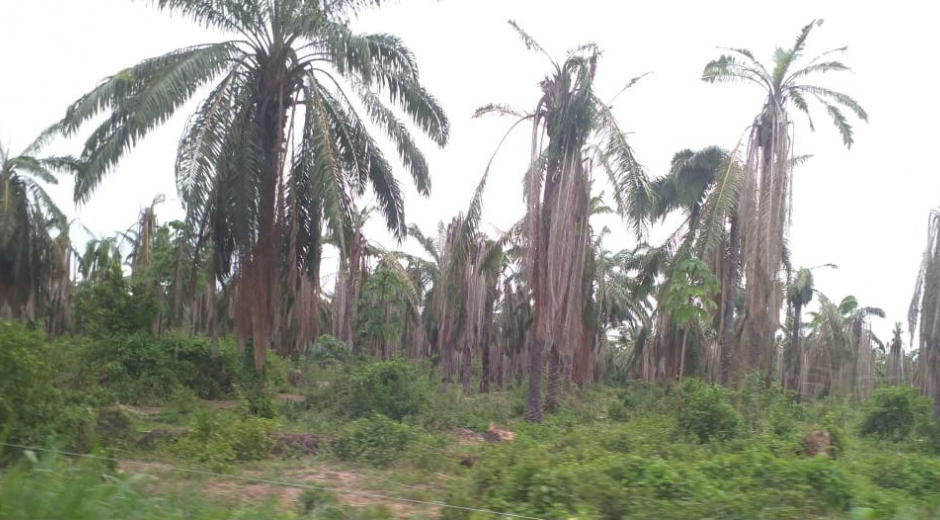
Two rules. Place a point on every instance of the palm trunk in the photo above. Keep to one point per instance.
(794, 358)
(554, 374)
(533, 405)
(485, 368)
(727, 320)
(465, 366)
(264, 269)
(685, 343)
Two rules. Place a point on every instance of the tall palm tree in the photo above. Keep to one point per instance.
(567, 123)
(765, 195)
(28, 254)
(278, 145)
(924, 314)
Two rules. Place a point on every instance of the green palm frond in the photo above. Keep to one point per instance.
(831, 95)
(230, 15)
(728, 69)
(398, 134)
(800, 103)
(530, 42)
(813, 68)
(632, 191)
(140, 99)
(199, 149)
(499, 109)
(720, 204)
(431, 247)
(404, 90)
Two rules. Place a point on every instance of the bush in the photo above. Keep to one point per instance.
(705, 413)
(327, 351)
(376, 440)
(276, 373)
(395, 389)
(219, 439)
(892, 413)
(31, 408)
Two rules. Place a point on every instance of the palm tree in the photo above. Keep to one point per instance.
(614, 297)
(570, 116)
(705, 185)
(839, 350)
(895, 360)
(799, 293)
(924, 315)
(463, 278)
(276, 148)
(28, 254)
(765, 195)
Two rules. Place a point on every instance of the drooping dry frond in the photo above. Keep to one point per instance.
(924, 314)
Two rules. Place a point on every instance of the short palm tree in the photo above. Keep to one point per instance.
(800, 292)
(28, 254)
(705, 186)
(278, 146)
(894, 363)
(765, 195)
(839, 358)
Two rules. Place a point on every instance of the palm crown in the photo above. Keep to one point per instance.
(784, 82)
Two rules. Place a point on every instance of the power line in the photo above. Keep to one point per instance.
(281, 483)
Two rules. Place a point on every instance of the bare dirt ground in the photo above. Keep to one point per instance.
(351, 487)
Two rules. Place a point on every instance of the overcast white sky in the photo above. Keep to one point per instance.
(864, 209)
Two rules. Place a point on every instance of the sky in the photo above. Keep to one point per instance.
(863, 209)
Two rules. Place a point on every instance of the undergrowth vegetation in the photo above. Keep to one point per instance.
(679, 451)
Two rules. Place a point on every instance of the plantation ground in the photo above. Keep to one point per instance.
(383, 437)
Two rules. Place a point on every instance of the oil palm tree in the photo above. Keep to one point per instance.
(27, 214)
(839, 353)
(765, 190)
(799, 294)
(574, 122)
(894, 364)
(924, 314)
(705, 186)
(278, 146)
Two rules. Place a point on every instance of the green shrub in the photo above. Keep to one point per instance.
(327, 351)
(705, 413)
(375, 440)
(276, 373)
(83, 490)
(219, 439)
(893, 411)
(394, 388)
(31, 408)
(781, 412)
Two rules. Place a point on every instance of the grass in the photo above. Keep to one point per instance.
(608, 453)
